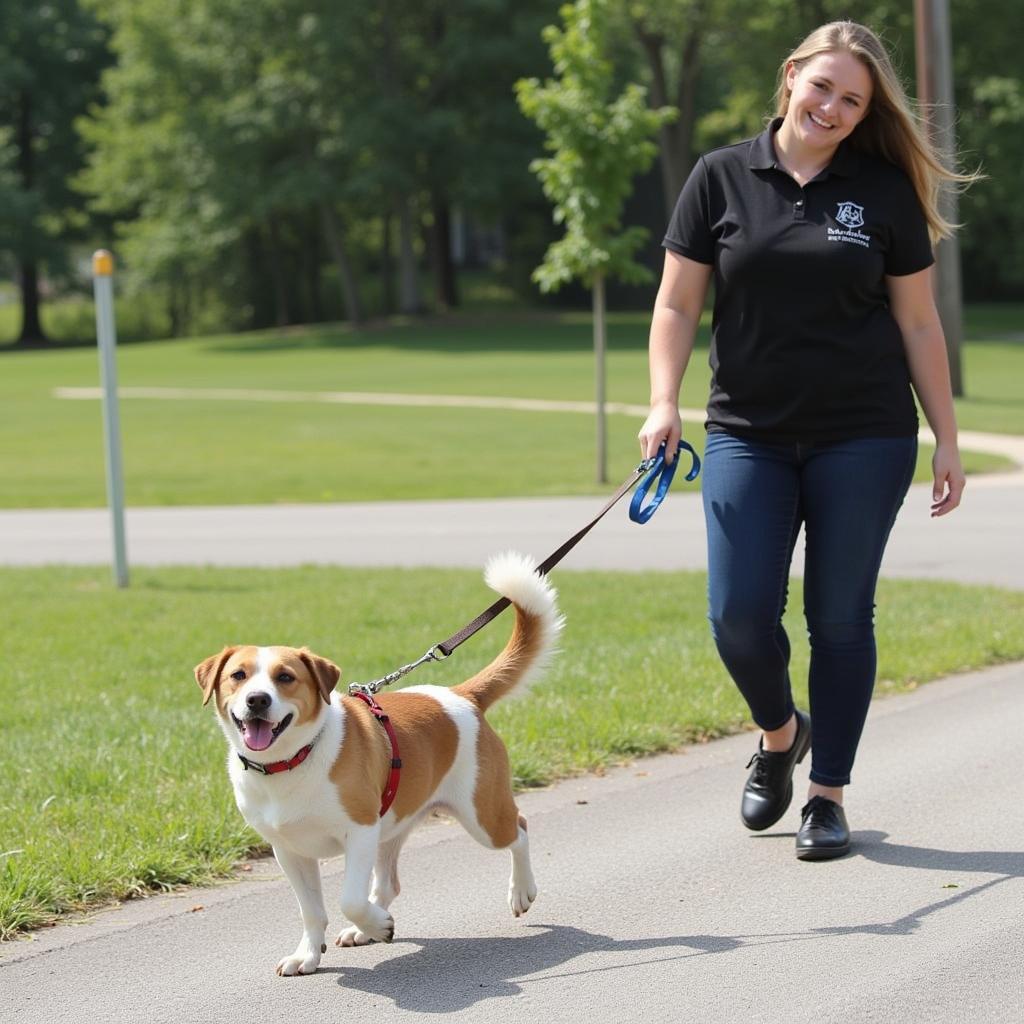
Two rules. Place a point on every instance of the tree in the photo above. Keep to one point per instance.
(51, 56)
(221, 154)
(672, 36)
(598, 142)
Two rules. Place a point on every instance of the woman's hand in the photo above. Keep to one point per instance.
(663, 423)
(948, 486)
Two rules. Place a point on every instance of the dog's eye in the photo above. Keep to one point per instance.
(238, 674)
(285, 677)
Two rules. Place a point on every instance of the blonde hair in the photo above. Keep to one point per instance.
(890, 129)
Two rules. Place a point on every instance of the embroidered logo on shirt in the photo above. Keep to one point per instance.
(851, 216)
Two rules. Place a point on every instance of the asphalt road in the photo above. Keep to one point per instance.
(655, 905)
(979, 543)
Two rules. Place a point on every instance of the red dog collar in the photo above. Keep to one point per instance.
(277, 766)
(396, 762)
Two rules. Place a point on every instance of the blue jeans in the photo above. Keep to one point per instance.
(846, 495)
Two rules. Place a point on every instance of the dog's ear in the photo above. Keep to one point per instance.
(325, 672)
(207, 672)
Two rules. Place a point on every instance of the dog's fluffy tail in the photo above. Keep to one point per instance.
(534, 635)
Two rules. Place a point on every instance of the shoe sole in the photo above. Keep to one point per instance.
(824, 853)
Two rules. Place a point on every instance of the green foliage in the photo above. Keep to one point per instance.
(51, 55)
(235, 129)
(225, 128)
(599, 143)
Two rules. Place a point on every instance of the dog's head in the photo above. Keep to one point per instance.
(264, 693)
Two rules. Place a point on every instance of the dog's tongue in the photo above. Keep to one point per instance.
(258, 734)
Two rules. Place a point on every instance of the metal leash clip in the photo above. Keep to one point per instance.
(370, 689)
(653, 467)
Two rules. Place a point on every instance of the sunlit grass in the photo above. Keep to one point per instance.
(209, 451)
(116, 781)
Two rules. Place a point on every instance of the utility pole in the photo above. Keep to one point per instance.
(934, 58)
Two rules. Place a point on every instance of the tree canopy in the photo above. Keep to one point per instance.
(276, 161)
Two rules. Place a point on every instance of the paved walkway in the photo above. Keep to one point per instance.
(979, 543)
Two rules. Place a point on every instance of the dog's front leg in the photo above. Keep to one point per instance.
(374, 923)
(304, 875)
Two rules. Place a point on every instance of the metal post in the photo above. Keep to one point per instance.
(600, 347)
(103, 287)
(935, 95)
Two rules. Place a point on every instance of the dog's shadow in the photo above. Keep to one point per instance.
(447, 975)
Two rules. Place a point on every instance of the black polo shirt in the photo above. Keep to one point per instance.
(804, 346)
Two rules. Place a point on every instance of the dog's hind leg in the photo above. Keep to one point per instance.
(385, 888)
(491, 817)
(522, 889)
(304, 875)
(385, 872)
(370, 919)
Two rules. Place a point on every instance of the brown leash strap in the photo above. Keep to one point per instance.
(488, 614)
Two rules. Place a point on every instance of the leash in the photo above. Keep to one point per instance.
(654, 468)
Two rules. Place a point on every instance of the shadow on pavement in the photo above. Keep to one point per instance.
(446, 975)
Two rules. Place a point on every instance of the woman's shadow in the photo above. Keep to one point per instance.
(446, 975)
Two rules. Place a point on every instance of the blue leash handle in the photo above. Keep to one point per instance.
(653, 467)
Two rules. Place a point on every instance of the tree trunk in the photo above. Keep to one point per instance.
(311, 260)
(387, 266)
(600, 347)
(675, 140)
(441, 247)
(339, 252)
(31, 329)
(176, 306)
(31, 332)
(282, 318)
(409, 301)
(935, 94)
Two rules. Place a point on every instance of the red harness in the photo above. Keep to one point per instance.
(396, 761)
(390, 791)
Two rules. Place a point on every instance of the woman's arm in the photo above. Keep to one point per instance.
(910, 298)
(677, 310)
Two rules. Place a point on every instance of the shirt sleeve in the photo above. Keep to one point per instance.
(910, 248)
(689, 230)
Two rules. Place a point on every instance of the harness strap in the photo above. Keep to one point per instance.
(391, 789)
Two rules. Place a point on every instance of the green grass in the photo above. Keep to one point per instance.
(116, 784)
(228, 452)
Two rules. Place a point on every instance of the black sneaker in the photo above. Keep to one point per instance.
(823, 833)
(769, 788)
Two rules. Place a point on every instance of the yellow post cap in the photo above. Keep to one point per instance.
(102, 263)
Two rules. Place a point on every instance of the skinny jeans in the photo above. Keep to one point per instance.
(846, 495)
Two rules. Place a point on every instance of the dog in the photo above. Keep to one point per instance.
(309, 765)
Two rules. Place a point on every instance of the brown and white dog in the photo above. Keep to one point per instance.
(273, 702)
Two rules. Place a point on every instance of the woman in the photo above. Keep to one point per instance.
(818, 235)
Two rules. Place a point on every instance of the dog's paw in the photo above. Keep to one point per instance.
(303, 961)
(370, 924)
(383, 927)
(521, 896)
(353, 937)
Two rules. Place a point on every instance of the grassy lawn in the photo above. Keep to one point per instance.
(202, 451)
(119, 783)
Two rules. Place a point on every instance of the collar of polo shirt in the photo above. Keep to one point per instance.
(845, 163)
